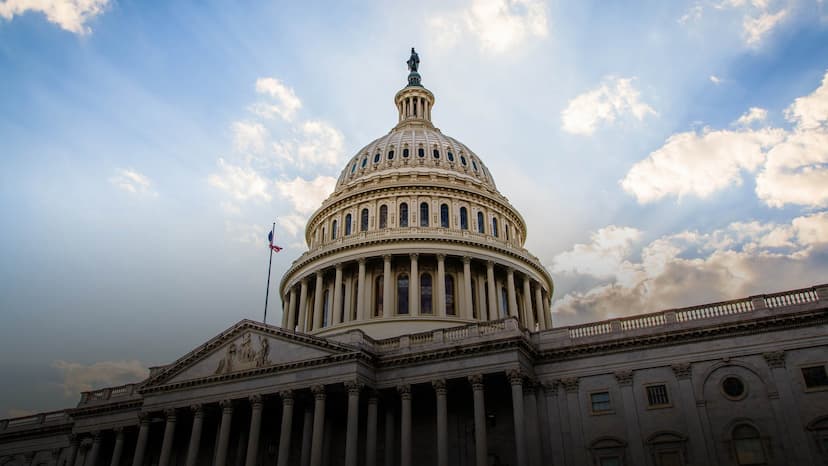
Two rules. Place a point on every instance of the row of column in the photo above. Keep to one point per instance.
(534, 312)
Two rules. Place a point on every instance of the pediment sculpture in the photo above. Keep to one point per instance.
(243, 356)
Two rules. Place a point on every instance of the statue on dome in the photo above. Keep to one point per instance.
(414, 61)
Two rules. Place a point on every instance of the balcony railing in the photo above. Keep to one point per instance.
(108, 394)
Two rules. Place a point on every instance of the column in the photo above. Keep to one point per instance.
(547, 316)
(555, 421)
(516, 379)
(71, 457)
(530, 406)
(317, 301)
(337, 298)
(83, 453)
(318, 425)
(511, 295)
(481, 298)
(492, 304)
(389, 434)
(371, 430)
(360, 304)
(143, 436)
(92, 459)
(352, 432)
(169, 436)
(387, 290)
(697, 440)
(539, 306)
(224, 432)
(290, 318)
(527, 304)
(195, 435)
(287, 424)
(405, 424)
(303, 305)
(349, 293)
(467, 289)
(480, 447)
(577, 448)
(441, 285)
(625, 381)
(118, 449)
(797, 442)
(29, 457)
(414, 287)
(256, 406)
(307, 432)
(442, 422)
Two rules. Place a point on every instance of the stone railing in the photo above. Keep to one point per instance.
(108, 394)
(705, 311)
(447, 335)
(35, 420)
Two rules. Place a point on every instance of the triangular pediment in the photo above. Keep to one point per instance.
(245, 347)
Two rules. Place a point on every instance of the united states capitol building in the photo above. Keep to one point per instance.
(416, 330)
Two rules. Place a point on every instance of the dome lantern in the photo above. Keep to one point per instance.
(414, 102)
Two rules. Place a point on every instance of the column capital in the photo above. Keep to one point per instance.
(29, 456)
(74, 440)
(775, 359)
(143, 417)
(96, 435)
(361, 261)
(624, 378)
(515, 376)
(550, 387)
(169, 413)
(466, 260)
(226, 405)
(404, 391)
(571, 384)
(338, 266)
(682, 370)
(304, 280)
(286, 395)
(529, 386)
(353, 387)
(256, 401)
(373, 397)
(197, 409)
(118, 430)
(56, 453)
(441, 257)
(319, 273)
(476, 381)
(387, 257)
(439, 386)
(510, 271)
(318, 392)
(489, 264)
(414, 255)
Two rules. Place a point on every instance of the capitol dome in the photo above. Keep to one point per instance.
(415, 237)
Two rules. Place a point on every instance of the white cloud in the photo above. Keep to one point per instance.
(241, 183)
(287, 103)
(247, 233)
(79, 377)
(753, 115)
(306, 195)
(810, 111)
(317, 144)
(17, 412)
(757, 18)
(614, 98)
(694, 13)
(70, 15)
(603, 257)
(293, 223)
(249, 136)
(796, 171)
(498, 25)
(755, 28)
(715, 79)
(133, 182)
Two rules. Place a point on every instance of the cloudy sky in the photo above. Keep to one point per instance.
(663, 154)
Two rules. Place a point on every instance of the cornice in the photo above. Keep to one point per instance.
(65, 428)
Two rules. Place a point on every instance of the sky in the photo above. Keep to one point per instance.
(663, 154)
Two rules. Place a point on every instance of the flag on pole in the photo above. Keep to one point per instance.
(273, 247)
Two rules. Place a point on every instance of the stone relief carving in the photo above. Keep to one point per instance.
(243, 357)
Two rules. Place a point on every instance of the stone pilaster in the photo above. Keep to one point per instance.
(352, 432)
(442, 421)
(318, 424)
(287, 424)
(516, 381)
(194, 446)
(481, 447)
(256, 407)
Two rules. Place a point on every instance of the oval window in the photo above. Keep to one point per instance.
(390, 155)
(405, 153)
(364, 162)
(421, 152)
(450, 156)
(436, 154)
(733, 387)
(376, 157)
(463, 160)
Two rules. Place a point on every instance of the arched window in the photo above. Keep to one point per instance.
(378, 289)
(326, 308)
(348, 225)
(323, 235)
(474, 165)
(334, 230)
(364, 161)
(450, 156)
(504, 303)
(494, 227)
(403, 215)
(421, 152)
(747, 445)
(464, 218)
(450, 309)
(383, 221)
(405, 153)
(376, 157)
(353, 167)
(475, 311)
(424, 214)
(363, 220)
(426, 293)
(436, 154)
(506, 229)
(463, 160)
(481, 223)
(402, 293)
(390, 155)
(444, 216)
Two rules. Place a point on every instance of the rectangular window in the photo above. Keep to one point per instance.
(815, 376)
(600, 402)
(657, 396)
(610, 461)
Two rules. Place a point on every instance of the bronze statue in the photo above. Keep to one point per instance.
(414, 61)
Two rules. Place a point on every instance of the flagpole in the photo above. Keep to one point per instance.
(269, 265)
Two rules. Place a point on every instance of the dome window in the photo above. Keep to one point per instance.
(494, 227)
(444, 216)
(377, 157)
(348, 225)
(403, 215)
(363, 220)
(405, 153)
(390, 155)
(436, 154)
(450, 309)
(481, 223)
(463, 160)
(334, 229)
(464, 218)
(424, 214)
(402, 293)
(474, 165)
(426, 294)
(450, 156)
(378, 301)
(353, 168)
(383, 220)
(364, 161)
(421, 152)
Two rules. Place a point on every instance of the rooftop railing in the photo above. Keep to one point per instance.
(107, 394)
(34, 420)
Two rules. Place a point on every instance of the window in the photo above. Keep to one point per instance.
(450, 156)
(426, 292)
(474, 298)
(377, 157)
(364, 162)
(390, 155)
(444, 216)
(481, 223)
(333, 229)
(733, 388)
(353, 167)
(657, 396)
(450, 310)
(421, 152)
(815, 376)
(402, 293)
(608, 451)
(383, 221)
(363, 220)
(667, 448)
(494, 227)
(405, 153)
(463, 160)
(506, 230)
(747, 445)
(403, 215)
(464, 218)
(348, 225)
(600, 402)
(504, 302)
(436, 154)
(424, 214)
(326, 308)
(474, 165)
(378, 290)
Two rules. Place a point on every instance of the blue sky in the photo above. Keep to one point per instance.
(663, 154)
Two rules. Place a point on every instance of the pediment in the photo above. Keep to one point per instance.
(248, 346)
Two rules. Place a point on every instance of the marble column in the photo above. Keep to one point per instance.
(405, 424)
(303, 305)
(441, 286)
(224, 432)
(360, 303)
(317, 301)
(556, 421)
(387, 287)
(539, 306)
(516, 380)
(352, 432)
(141, 443)
(194, 447)
(492, 304)
(288, 323)
(71, 457)
(511, 294)
(307, 433)
(318, 425)
(118, 449)
(337, 297)
(414, 287)
(530, 405)
(527, 305)
(287, 424)
(482, 303)
(467, 289)
(442, 421)
(697, 442)
(83, 453)
(371, 430)
(625, 381)
(797, 442)
(547, 316)
(390, 435)
(349, 293)
(256, 406)
(94, 451)
(169, 436)
(481, 448)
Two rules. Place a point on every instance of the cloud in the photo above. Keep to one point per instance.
(715, 79)
(306, 195)
(293, 224)
(691, 268)
(604, 257)
(70, 15)
(614, 98)
(247, 233)
(753, 115)
(757, 18)
(241, 183)
(811, 111)
(796, 171)
(133, 182)
(498, 26)
(755, 28)
(316, 144)
(78, 377)
(249, 136)
(17, 412)
(286, 102)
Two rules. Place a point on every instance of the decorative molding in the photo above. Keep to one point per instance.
(197, 409)
(466, 260)
(515, 376)
(404, 391)
(571, 384)
(256, 401)
(143, 417)
(775, 359)
(169, 413)
(226, 405)
(550, 387)
(682, 370)
(287, 396)
(476, 381)
(624, 378)
(439, 387)
(354, 387)
(318, 392)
